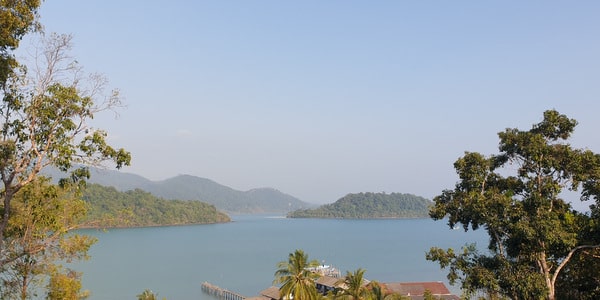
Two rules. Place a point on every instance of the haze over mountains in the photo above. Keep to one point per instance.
(187, 187)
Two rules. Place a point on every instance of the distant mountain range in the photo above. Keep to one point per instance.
(187, 187)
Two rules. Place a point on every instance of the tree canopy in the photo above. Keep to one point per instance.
(517, 197)
(43, 215)
(298, 281)
(17, 18)
(111, 208)
(47, 102)
(370, 206)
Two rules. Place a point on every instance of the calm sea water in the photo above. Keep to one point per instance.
(241, 256)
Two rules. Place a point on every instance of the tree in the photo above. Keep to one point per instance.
(44, 122)
(354, 286)
(427, 295)
(379, 292)
(65, 286)
(17, 18)
(533, 232)
(45, 109)
(298, 281)
(580, 278)
(148, 295)
(42, 218)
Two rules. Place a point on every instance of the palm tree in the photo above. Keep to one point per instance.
(298, 282)
(378, 292)
(147, 295)
(354, 286)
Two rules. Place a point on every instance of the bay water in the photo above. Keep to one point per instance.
(241, 256)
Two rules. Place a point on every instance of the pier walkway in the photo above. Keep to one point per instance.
(220, 293)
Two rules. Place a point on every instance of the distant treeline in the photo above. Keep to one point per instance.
(370, 205)
(136, 208)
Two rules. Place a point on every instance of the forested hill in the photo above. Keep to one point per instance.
(137, 208)
(259, 200)
(370, 206)
(187, 187)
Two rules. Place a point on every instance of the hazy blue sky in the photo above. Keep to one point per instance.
(323, 98)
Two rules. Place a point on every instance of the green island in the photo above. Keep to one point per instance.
(108, 207)
(370, 206)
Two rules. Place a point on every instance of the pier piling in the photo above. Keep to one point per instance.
(220, 293)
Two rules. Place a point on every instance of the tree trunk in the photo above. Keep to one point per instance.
(24, 287)
(547, 276)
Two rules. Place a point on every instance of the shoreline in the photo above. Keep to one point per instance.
(151, 226)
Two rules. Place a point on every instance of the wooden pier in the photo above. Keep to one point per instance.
(220, 293)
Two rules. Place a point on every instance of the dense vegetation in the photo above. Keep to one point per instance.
(111, 208)
(370, 206)
(187, 187)
(539, 246)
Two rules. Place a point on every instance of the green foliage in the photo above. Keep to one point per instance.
(580, 279)
(38, 234)
(148, 295)
(378, 292)
(298, 282)
(65, 286)
(354, 286)
(533, 232)
(427, 295)
(44, 124)
(17, 18)
(296, 278)
(111, 208)
(45, 106)
(370, 205)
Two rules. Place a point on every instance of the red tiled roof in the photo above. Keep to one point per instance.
(418, 288)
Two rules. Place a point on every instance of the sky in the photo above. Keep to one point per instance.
(319, 99)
